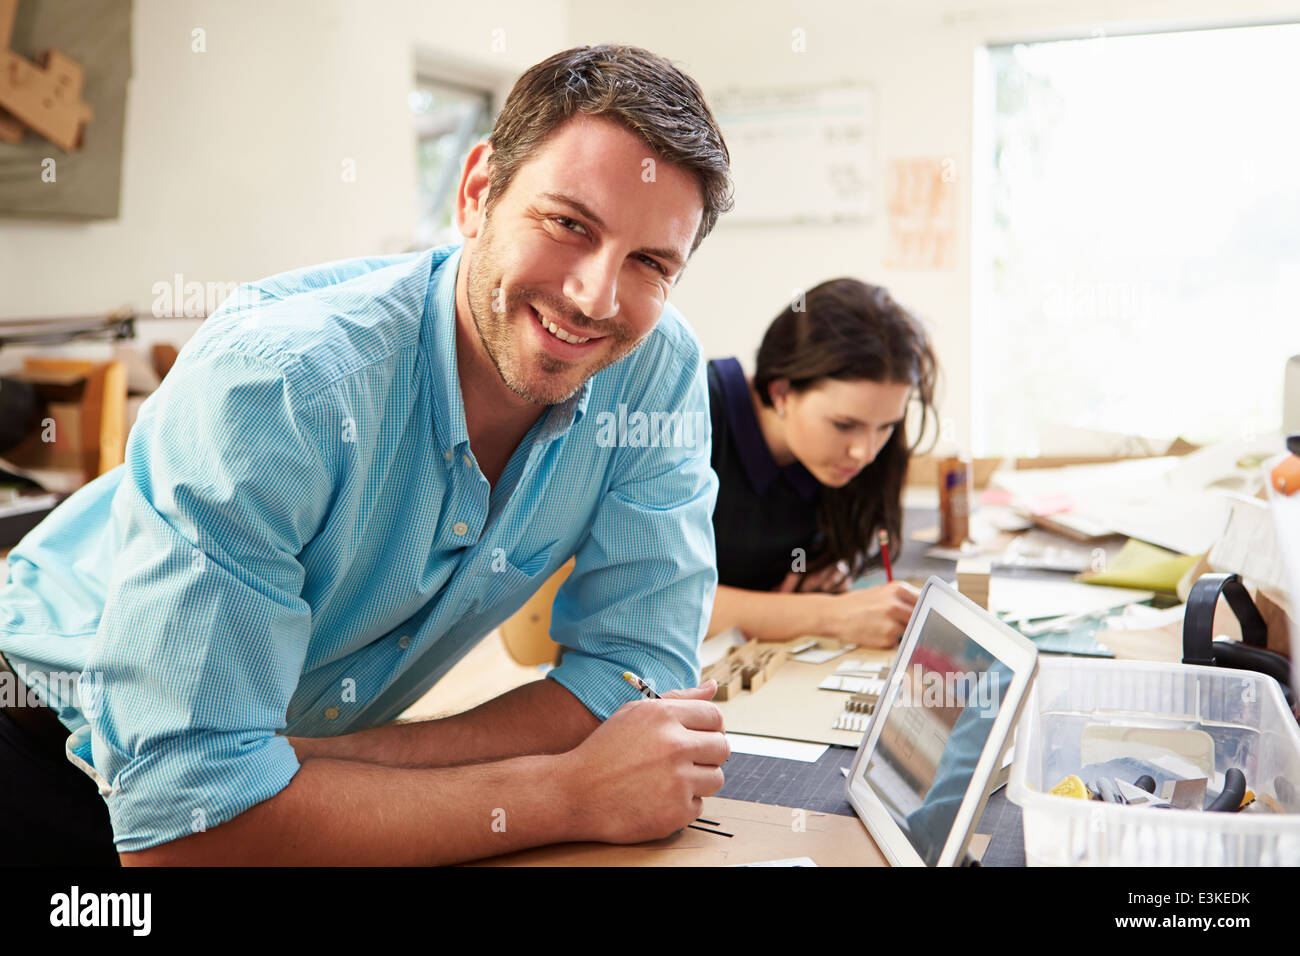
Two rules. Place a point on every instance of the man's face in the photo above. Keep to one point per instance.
(588, 238)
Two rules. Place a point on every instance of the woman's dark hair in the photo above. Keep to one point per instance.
(851, 331)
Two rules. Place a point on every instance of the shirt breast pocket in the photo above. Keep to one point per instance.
(512, 578)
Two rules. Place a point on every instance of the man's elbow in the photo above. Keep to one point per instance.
(176, 853)
(238, 841)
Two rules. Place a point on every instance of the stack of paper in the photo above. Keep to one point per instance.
(1175, 502)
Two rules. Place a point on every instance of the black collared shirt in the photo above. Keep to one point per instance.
(764, 511)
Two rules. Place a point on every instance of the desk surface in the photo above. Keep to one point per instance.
(761, 834)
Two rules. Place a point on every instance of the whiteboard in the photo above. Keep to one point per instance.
(799, 154)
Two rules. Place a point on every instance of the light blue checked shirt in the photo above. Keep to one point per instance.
(300, 541)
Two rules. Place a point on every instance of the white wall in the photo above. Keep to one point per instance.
(233, 160)
(919, 56)
(233, 163)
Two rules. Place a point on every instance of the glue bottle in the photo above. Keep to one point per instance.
(954, 496)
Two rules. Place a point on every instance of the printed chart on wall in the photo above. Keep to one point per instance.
(922, 210)
(799, 154)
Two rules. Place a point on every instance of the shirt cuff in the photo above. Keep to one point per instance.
(598, 683)
(176, 791)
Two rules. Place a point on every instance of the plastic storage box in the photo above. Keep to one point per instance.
(1245, 715)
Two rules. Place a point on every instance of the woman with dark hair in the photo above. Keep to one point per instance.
(811, 455)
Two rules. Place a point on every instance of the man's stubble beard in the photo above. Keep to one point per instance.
(495, 332)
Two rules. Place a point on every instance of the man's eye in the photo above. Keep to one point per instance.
(569, 224)
(843, 426)
(886, 428)
(653, 264)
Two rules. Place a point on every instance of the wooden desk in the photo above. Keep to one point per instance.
(762, 833)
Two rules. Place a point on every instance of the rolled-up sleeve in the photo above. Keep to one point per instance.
(204, 631)
(642, 588)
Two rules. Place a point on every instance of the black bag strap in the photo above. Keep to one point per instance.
(1198, 620)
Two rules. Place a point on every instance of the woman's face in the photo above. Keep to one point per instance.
(837, 428)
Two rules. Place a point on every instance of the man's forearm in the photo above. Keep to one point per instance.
(538, 718)
(340, 812)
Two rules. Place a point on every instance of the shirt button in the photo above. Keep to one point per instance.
(449, 454)
(403, 642)
(467, 460)
(331, 713)
(460, 528)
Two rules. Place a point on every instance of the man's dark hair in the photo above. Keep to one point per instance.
(634, 87)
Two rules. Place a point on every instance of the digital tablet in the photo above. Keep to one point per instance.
(943, 721)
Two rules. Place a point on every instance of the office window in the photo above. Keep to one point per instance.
(448, 120)
(1142, 268)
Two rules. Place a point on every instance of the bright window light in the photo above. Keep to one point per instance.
(1144, 244)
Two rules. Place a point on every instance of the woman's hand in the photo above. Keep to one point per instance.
(871, 617)
(832, 579)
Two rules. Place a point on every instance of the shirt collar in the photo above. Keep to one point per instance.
(439, 336)
(760, 466)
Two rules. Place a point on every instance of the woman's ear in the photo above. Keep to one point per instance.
(779, 392)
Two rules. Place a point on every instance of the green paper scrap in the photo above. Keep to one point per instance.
(1144, 566)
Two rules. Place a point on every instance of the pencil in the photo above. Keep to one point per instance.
(883, 537)
(646, 690)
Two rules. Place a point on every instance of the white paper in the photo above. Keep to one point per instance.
(819, 655)
(1140, 617)
(862, 667)
(775, 747)
(1249, 545)
(1286, 520)
(1173, 502)
(794, 861)
(853, 685)
(1021, 599)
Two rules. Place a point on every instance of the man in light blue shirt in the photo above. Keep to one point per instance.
(355, 471)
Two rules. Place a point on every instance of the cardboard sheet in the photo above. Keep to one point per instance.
(791, 705)
(761, 833)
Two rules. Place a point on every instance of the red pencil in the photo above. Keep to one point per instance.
(883, 536)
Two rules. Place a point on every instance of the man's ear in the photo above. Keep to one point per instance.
(471, 197)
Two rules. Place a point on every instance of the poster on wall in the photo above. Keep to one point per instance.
(922, 210)
(64, 67)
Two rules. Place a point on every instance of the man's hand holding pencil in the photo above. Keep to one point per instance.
(644, 772)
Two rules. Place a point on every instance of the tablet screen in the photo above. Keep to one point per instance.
(944, 708)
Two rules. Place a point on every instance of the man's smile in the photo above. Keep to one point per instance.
(561, 340)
